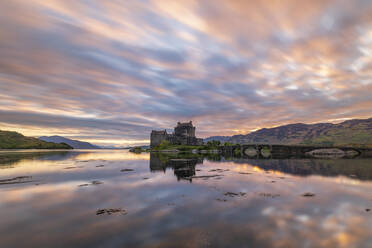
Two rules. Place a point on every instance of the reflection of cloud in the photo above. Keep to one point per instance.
(165, 213)
(121, 155)
(230, 65)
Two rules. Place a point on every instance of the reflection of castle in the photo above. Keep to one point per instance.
(184, 134)
(183, 168)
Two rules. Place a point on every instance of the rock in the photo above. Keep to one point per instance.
(101, 165)
(221, 200)
(308, 194)
(111, 211)
(73, 167)
(245, 173)
(269, 195)
(126, 170)
(15, 180)
(232, 194)
(92, 183)
(367, 209)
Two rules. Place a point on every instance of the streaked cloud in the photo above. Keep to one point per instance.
(117, 69)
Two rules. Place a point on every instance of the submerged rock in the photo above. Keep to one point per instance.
(269, 195)
(308, 194)
(15, 180)
(232, 194)
(92, 183)
(73, 167)
(126, 170)
(110, 211)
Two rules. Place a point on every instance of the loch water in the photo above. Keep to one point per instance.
(114, 198)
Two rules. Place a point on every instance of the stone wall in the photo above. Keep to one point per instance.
(157, 137)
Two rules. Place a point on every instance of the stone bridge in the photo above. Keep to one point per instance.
(291, 151)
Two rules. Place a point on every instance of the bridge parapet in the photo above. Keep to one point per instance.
(288, 151)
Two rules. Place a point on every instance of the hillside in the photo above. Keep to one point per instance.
(76, 144)
(222, 139)
(351, 132)
(14, 140)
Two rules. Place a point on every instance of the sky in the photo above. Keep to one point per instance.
(109, 72)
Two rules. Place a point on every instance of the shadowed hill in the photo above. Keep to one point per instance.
(14, 140)
(76, 144)
(351, 132)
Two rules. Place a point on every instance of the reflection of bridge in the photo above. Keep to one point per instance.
(360, 168)
(286, 151)
(302, 161)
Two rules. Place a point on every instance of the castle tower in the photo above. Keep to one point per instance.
(185, 129)
(184, 134)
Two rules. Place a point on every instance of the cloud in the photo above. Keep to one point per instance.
(231, 66)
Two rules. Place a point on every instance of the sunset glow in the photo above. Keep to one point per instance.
(109, 72)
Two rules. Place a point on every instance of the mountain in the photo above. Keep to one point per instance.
(222, 139)
(14, 140)
(76, 144)
(351, 132)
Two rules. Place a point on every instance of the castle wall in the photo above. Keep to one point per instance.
(157, 137)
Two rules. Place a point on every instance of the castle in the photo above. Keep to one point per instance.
(184, 134)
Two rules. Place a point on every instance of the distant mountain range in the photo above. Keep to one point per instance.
(76, 144)
(351, 132)
(14, 140)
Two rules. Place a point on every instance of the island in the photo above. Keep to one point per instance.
(184, 140)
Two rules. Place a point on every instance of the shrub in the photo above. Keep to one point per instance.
(164, 145)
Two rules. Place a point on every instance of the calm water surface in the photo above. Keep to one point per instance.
(50, 199)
